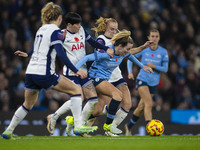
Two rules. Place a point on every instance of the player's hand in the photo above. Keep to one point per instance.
(64, 33)
(147, 69)
(149, 43)
(110, 52)
(81, 74)
(151, 65)
(20, 53)
(131, 76)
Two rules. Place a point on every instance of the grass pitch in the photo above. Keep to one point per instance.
(101, 143)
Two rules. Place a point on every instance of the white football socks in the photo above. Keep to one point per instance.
(63, 109)
(88, 109)
(119, 117)
(19, 115)
(76, 108)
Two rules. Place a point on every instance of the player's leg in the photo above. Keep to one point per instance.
(99, 109)
(125, 105)
(136, 114)
(21, 112)
(91, 96)
(105, 88)
(67, 86)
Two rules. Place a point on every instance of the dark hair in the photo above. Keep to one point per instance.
(72, 18)
(152, 30)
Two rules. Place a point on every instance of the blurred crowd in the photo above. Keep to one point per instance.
(177, 20)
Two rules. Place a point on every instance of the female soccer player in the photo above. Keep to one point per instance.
(110, 27)
(41, 73)
(155, 57)
(74, 45)
(102, 68)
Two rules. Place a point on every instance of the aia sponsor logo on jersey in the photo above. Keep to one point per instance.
(76, 39)
(77, 46)
(116, 59)
(152, 55)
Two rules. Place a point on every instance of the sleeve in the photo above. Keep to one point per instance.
(164, 67)
(136, 61)
(94, 43)
(29, 53)
(56, 41)
(101, 41)
(129, 66)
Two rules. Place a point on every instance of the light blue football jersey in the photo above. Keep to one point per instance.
(158, 57)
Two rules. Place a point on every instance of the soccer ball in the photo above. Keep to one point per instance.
(155, 128)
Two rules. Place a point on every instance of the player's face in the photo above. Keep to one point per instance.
(111, 29)
(124, 50)
(155, 37)
(75, 27)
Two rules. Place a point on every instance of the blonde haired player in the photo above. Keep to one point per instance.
(109, 27)
(102, 68)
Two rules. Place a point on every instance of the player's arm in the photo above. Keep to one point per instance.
(130, 69)
(23, 54)
(137, 62)
(163, 68)
(97, 45)
(141, 48)
(92, 57)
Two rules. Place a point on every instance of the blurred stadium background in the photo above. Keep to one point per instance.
(177, 101)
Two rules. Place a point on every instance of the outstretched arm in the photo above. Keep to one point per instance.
(135, 60)
(23, 54)
(141, 48)
(92, 57)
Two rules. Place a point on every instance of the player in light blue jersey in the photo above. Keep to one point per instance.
(41, 73)
(109, 27)
(155, 57)
(102, 68)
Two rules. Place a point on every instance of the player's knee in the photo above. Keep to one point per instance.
(117, 95)
(126, 105)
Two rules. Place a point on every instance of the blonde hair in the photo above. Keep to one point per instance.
(50, 12)
(122, 37)
(102, 24)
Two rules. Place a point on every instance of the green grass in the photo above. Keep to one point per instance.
(101, 143)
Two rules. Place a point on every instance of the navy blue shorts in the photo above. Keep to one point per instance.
(97, 81)
(119, 83)
(140, 83)
(80, 82)
(38, 82)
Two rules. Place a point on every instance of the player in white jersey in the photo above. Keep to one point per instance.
(41, 73)
(110, 26)
(74, 45)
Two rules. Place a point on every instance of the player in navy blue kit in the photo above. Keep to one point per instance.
(41, 73)
(155, 57)
(102, 68)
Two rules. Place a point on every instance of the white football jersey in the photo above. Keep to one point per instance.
(74, 45)
(116, 74)
(42, 61)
